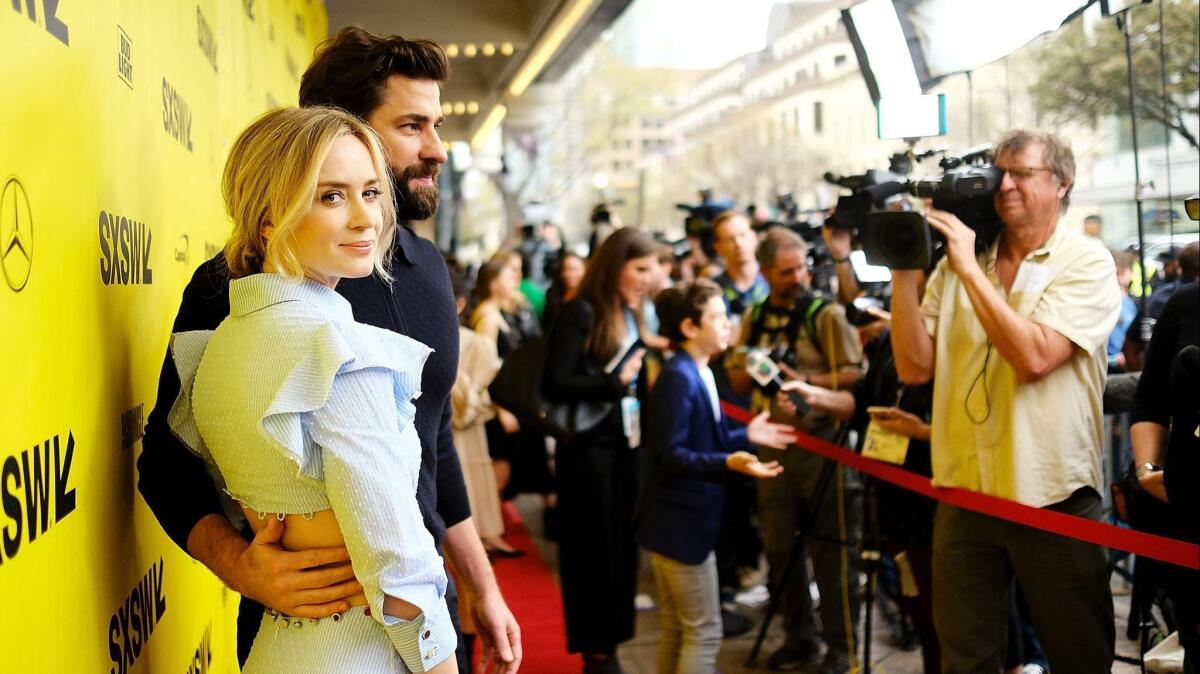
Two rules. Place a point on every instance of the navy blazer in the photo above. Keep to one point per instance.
(685, 448)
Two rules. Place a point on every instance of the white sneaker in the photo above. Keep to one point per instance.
(753, 597)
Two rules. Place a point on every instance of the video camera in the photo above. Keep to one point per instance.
(903, 240)
(699, 219)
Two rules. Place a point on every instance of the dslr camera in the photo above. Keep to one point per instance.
(904, 240)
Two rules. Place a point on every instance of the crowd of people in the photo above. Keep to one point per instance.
(326, 441)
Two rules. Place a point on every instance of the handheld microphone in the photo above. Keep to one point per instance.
(765, 372)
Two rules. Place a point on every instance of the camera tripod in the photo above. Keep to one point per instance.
(869, 559)
(799, 540)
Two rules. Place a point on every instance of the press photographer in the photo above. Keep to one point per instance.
(1015, 336)
(800, 331)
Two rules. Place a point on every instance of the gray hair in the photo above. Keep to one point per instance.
(776, 240)
(1056, 152)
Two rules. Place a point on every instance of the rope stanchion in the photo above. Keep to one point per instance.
(1140, 543)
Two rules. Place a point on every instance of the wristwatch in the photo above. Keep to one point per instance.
(1147, 468)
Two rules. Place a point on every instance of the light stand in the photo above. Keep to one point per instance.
(1122, 17)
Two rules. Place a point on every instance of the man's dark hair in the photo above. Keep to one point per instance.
(459, 282)
(1189, 261)
(679, 303)
(350, 70)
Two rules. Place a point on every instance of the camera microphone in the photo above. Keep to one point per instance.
(765, 372)
(883, 191)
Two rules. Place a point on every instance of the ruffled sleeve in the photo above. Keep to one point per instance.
(229, 382)
(335, 350)
(187, 349)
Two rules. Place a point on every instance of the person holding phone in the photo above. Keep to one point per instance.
(594, 354)
(893, 423)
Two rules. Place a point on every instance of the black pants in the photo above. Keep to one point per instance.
(975, 559)
(597, 477)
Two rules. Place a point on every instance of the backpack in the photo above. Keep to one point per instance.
(518, 389)
(803, 312)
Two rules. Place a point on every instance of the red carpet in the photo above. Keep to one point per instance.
(536, 601)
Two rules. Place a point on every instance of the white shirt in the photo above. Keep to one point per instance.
(710, 383)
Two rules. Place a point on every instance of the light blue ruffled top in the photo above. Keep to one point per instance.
(296, 408)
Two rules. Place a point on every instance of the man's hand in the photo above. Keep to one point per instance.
(307, 584)
(805, 389)
(508, 420)
(871, 331)
(497, 628)
(765, 433)
(748, 464)
(837, 240)
(960, 240)
(499, 633)
(896, 420)
(1152, 483)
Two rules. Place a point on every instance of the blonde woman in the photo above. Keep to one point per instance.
(306, 416)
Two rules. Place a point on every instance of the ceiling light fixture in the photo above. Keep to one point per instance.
(552, 38)
(489, 125)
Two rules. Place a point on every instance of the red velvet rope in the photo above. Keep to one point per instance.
(1137, 542)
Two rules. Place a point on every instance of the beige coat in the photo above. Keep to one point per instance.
(471, 408)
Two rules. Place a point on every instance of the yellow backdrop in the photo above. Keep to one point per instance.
(116, 119)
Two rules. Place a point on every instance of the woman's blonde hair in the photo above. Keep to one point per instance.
(271, 179)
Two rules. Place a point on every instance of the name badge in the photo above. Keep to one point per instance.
(885, 445)
(631, 420)
(1032, 278)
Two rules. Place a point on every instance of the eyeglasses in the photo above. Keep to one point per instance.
(1023, 172)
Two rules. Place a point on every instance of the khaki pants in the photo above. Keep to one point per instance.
(690, 612)
(784, 505)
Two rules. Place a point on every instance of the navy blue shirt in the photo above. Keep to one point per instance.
(419, 303)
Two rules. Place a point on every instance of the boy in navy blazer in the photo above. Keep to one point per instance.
(689, 446)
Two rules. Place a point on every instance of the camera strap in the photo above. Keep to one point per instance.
(803, 312)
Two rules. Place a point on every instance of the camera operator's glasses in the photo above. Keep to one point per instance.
(1021, 173)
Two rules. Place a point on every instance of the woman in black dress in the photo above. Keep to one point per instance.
(594, 355)
(567, 276)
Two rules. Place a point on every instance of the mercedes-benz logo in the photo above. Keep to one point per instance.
(16, 234)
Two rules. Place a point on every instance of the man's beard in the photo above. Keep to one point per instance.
(416, 203)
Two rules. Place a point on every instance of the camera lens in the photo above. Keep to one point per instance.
(898, 237)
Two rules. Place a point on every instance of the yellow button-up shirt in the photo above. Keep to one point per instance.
(1035, 443)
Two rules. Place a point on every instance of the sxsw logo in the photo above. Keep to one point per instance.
(124, 250)
(35, 491)
(206, 39)
(47, 18)
(124, 57)
(176, 115)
